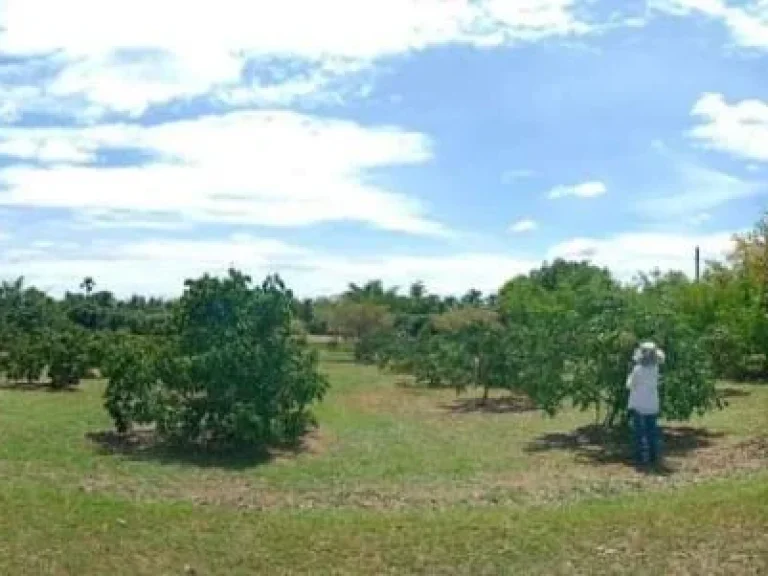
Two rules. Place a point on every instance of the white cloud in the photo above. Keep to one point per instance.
(257, 167)
(695, 189)
(262, 168)
(43, 244)
(740, 128)
(132, 55)
(159, 266)
(629, 253)
(121, 219)
(34, 145)
(584, 190)
(526, 225)
(12, 100)
(509, 176)
(700, 218)
(747, 22)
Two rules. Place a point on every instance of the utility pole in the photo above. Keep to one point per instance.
(697, 259)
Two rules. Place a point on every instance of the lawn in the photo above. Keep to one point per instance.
(395, 480)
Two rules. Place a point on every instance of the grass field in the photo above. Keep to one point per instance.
(395, 480)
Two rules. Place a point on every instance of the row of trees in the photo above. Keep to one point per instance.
(565, 333)
(351, 313)
(37, 338)
(226, 364)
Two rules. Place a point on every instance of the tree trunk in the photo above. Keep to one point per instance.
(479, 379)
(610, 417)
(614, 412)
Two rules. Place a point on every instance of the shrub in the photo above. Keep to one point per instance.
(131, 364)
(67, 356)
(25, 360)
(234, 374)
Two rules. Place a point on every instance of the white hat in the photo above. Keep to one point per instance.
(649, 350)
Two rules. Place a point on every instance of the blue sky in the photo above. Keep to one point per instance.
(456, 142)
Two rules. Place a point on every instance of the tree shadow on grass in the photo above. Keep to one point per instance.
(144, 446)
(734, 393)
(23, 386)
(594, 444)
(503, 405)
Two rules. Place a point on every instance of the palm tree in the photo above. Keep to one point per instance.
(88, 284)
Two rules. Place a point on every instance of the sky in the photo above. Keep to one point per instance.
(454, 142)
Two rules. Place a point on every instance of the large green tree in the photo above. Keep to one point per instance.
(234, 373)
(583, 326)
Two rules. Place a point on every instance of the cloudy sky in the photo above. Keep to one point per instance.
(457, 142)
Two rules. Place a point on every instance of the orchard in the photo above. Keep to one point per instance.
(228, 364)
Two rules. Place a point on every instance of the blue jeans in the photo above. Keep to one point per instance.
(646, 438)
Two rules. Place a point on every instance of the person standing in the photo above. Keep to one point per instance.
(643, 385)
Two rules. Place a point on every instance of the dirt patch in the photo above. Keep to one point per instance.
(748, 454)
(408, 400)
(500, 405)
(394, 401)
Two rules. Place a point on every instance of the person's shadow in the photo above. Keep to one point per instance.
(595, 444)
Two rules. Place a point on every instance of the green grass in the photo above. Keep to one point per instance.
(395, 480)
(716, 529)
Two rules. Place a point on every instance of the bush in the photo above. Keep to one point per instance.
(61, 354)
(67, 356)
(234, 374)
(26, 359)
(132, 366)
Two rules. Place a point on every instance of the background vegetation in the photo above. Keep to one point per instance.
(201, 368)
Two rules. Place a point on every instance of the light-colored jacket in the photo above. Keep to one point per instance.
(643, 384)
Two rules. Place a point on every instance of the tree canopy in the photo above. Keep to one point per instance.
(232, 373)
